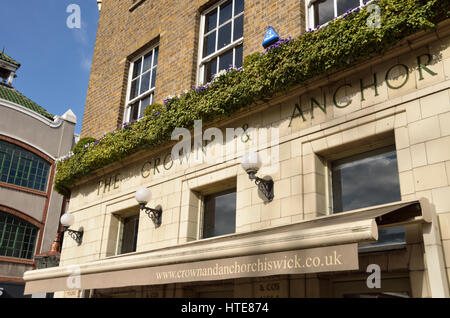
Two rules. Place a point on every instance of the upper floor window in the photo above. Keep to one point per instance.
(221, 38)
(323, 11)
(17, 237)
(141, 86)
(22, 168)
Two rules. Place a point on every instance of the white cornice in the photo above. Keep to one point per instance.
(51, 123)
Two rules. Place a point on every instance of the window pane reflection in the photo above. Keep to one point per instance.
(210, 44)
(210, 70)
(238, 56)
(323, 12)
(211, 21)
(365, 180)
(219, 214)
(225, 12)
(147, 62)
(238, 6)
(238, 31)
(226, 60)
(224, 36)
(344, 5)
(129, 235)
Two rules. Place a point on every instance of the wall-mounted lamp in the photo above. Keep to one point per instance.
(251, 164)
(67, 220)
(143, 195)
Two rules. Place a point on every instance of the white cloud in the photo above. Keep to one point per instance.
(86, 62)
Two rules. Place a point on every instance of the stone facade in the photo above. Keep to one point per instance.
(125, 30)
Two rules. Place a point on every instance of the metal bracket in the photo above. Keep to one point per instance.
(76, 235)
(265, 186)
(154, 214)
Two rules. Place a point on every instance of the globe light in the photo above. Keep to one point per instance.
(67, 220)
(143, 195)
(251, 162)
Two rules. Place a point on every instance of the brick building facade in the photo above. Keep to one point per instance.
(127, 28)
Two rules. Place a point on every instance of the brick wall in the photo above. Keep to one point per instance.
(123, 33)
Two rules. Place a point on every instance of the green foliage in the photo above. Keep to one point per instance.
(343, 42)
(79, 147)
(153, 110)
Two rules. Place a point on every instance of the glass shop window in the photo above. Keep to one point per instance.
(130, 226)
(368, 179)
(219, 214)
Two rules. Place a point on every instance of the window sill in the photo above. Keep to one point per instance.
(135, 5)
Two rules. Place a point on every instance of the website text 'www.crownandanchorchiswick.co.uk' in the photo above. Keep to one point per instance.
(258, 266)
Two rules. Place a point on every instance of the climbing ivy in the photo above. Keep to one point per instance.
(343, 42)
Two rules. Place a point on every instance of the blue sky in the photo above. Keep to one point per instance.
(55, 60)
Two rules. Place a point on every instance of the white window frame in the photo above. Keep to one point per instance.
(202, 61)
(310, 10)
(151, 91)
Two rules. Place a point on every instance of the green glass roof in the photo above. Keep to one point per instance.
(8, 59)
(15, 96)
